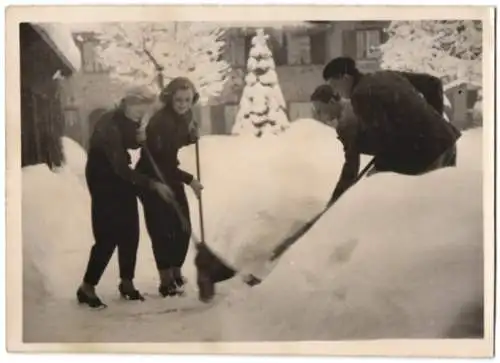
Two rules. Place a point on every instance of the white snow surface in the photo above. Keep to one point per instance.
(75, 158)
(396, 257)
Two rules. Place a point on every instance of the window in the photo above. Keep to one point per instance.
(287, 49)
(299, 50)
(318, 47)
(305, 49)
(278, 45)
(71, 117)
(90, 60)
(367, 42)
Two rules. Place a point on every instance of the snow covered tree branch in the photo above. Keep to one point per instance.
(154, 53)
(449, 49)
(262, 105)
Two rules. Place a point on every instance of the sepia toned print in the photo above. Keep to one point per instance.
(306, 184)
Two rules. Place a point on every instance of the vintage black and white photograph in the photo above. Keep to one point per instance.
(256, 180)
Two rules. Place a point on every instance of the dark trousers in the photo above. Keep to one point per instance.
(169, 241)
(446, 159)
(115, 223)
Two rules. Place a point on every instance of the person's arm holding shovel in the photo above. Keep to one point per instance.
(163, 190)
(187, 178)
(350, 168)
(120, 164)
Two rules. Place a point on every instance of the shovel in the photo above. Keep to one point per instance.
(210, 268)
(278, 252)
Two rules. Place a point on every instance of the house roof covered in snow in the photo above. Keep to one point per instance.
(59, 37)
(458, 82)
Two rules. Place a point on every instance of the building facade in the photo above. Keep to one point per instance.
(47, 53)
(300, 54)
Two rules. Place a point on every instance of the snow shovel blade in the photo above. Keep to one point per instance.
(290, 240)
(210, 270)
(282, 247)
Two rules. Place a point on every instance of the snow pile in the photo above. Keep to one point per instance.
(397, 257)
(75, 158)
(56, 226)
(258, 191)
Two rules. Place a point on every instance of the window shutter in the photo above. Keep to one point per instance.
(87, 56)
(361, 44)
(239, 49)
(384, 36)
(217, 116)
(318, 48)
(248, 46)
(277, 44)
(349, 48)
(236, 51)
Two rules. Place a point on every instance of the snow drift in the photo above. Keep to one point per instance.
(56, 222)
(248, 183)
(396, 257)
(258, 191)
(75, 158)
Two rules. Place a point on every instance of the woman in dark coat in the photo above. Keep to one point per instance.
(113, 188)
(397, 117)
(169, 129)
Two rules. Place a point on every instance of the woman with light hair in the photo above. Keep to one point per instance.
(113, 188)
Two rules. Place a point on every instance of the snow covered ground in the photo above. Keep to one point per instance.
(397, 257)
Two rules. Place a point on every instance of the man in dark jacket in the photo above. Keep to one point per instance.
(396, 116)
(113, 188)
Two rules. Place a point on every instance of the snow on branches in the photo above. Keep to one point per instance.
(449, 49)
(262, 105)
(154, 53)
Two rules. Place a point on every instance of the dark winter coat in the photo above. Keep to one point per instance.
(113, 189)
(429, 86)
(405, 132)
(108, 160)
(166, 133)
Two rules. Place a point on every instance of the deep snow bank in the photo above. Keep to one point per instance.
(56, 225)
(257, 191)
(75, 158)
(396, 257)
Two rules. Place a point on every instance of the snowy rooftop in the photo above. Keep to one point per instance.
(459, 82)
(59, 37)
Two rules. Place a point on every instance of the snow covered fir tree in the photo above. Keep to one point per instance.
(262, 108)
